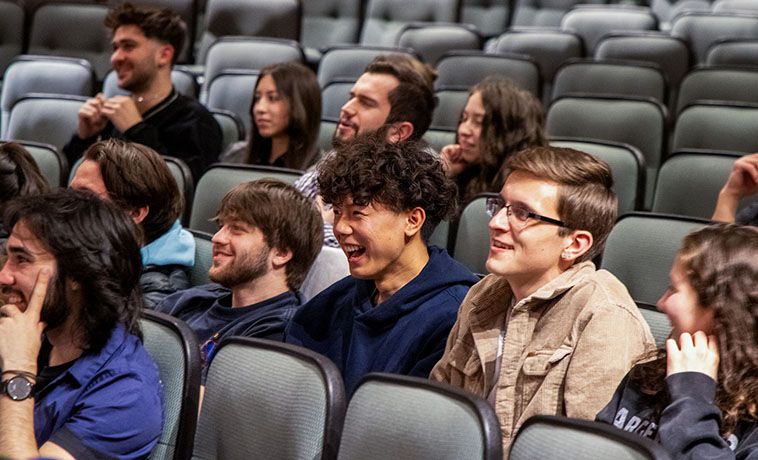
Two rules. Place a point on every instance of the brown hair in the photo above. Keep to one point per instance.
(513, 120)
(721, 264)
(161, 24)
(586, 200)
(298, 85)
(413, 98)
(135, 177)
(287, 219)
(19, 174)
(398, 175)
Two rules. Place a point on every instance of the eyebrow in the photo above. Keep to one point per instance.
(18, 250)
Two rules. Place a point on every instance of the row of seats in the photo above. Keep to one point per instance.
(279, 401)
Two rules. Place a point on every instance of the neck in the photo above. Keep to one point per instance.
(403, 270)
(279, 146)
(263, 288)
(158, 90)
(67, 342)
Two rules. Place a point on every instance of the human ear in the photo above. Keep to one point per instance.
(415, 220)
(400, 131)
(580, 241)
(280, 257)
(139, 214)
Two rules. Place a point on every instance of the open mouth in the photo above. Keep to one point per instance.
(501, 245)
(353, 251)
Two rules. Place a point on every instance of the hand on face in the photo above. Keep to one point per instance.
(21, 331)
(91, 118)
(693, 353)
(122, 112)
(453, 160)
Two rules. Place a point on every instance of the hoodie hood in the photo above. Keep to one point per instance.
(175, 247)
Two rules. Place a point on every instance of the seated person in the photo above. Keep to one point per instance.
(499, 119)
(394, 312)
(699, 396)
(268, 238)
(283, 128)
(146, 44)
(545, 332)
(742, 182)
(76, 380)
(138, 181)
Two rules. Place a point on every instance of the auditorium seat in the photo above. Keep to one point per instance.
(718, 84)
(232, 90)
(181, 76)
(467, 68)
(716, 125)
(385, 18)
(52, 164)
(50, 119)
(203, 256)
(432, 40)
(702, 29)
(232, 128)
(490, 17)
(450, 103)
(472, 240)
(541, 13)
(733, 52)
(328, 23)
(591, 22)
(349, 62)
(11, 31)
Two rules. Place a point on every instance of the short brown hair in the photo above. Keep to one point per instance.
(135, 177)
(586, 200)
(398, 175)
(287, 219)
(19, 174)
(161, 24)
(413, 98)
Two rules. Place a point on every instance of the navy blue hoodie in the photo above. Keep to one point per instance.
(405, 334)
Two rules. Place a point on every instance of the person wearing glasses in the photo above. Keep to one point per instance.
(545, 332)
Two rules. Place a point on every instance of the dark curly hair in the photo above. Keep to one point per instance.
(721, 263)
(161, 24)
(400, 176)
(95, 245)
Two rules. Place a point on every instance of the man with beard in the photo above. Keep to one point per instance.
(76, 380)
(146, 42)
(268, 238)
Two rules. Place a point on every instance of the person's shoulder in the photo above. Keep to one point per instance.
(600, 289)
(195, 297)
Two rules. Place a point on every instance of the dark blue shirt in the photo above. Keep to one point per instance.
(106, 404)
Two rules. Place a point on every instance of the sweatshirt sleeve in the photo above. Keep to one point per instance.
(689, 425)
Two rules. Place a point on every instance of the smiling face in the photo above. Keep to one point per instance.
(527, 257)
(136, 58)
(680, 303)
(368, 107)
(240, 253)
(470, 129)
(271, 113)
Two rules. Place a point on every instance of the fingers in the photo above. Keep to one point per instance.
(9, 310)
(37, 298)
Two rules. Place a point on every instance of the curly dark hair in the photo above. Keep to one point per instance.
(95, 245)
(400, 176)
(721, 264)
(161, 24)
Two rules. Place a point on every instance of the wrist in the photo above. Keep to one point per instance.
(19, 366)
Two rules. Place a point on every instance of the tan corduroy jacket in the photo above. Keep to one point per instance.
(566, 347)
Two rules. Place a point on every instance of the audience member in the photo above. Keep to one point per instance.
(76, 380)
(545, 332)
(284, 119)
(19, 176)
(138, 181)
(742, 182)
(146, 43)
(395, 310)
(395, 96)
(499, 120)
(699, 396)
(268, 238)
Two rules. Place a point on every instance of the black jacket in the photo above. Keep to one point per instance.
(157, 282)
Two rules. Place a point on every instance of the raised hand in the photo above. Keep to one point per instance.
(693, 353)
(452, 160)
(122, 112)
(21, 330)
(91, 118)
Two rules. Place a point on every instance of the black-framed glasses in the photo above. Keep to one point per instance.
(516, 214)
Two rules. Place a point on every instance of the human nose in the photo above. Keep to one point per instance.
(341, 226)
(348, 109)
(6, 277)
(464, 129)
(117, 56)
(221, 236)
(500, 221)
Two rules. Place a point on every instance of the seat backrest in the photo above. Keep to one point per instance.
(735, 6)
(467, 68)
(592, 22)
(670, 54)
(718, 84)
(329, 267)
(247, 53)
(637, 122)
(543, 13)
(550, 436)
(689, 183)
(490, 17)
(733, 53)
(326, 133)
(270, 398)
(717, 126)
(626, 163)
(218, 179)
(232, 90)
(607, 78)
(203, 256)
(333, 96)
(472, 238)
(73, 30)
(328, 23)
(41, 118)
(641, 248)
(184, 181)
(44, 74)
(174, 348)
(249, 18)
(385, 18)
(659, 323)
(399, 417)
(450, 103)
(232, 127)
(52, 164)
(182, 78)
(440, 137)
(432, 40)
(11, 32)
(349, 62)
(701, 30)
